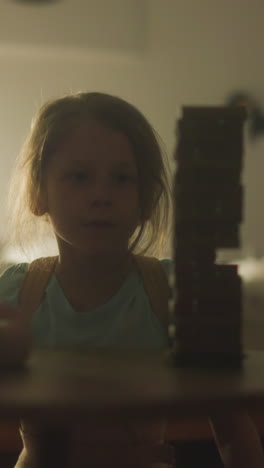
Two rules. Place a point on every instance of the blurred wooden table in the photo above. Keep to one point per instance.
(75, 385)
(97, 385)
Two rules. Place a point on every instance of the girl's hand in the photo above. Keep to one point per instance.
(15, 336)
(238, 440)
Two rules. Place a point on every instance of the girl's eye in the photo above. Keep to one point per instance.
(122, 178)
(78, 176)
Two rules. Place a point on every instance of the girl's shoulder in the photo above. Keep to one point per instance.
(167, 264)
(10, 282)
(153, 262)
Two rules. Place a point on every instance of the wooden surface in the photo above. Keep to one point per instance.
(75, 385)
(177, 430)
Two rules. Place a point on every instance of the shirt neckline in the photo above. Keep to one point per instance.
(127, 290)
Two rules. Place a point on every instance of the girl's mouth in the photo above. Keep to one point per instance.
(100, 224)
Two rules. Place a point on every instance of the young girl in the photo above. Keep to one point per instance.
(92, 172)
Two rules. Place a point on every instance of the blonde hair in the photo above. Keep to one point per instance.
(53, 121)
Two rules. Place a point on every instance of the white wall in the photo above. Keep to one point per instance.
(159, 54)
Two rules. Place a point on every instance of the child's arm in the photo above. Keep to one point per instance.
(15, 336)
(237, 440)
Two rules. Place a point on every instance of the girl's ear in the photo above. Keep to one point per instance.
(39, 211)
(145, 218)
(146, 215)
(40, 206)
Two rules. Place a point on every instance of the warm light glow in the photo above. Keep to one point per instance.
(250, 268)
(15, 255)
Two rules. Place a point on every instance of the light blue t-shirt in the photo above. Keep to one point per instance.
(126, 320)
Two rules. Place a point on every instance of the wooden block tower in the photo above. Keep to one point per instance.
(206, 310)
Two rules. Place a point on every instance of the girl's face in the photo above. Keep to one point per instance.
(92, 190)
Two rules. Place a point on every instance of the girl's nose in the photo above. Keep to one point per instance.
(102, 192)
